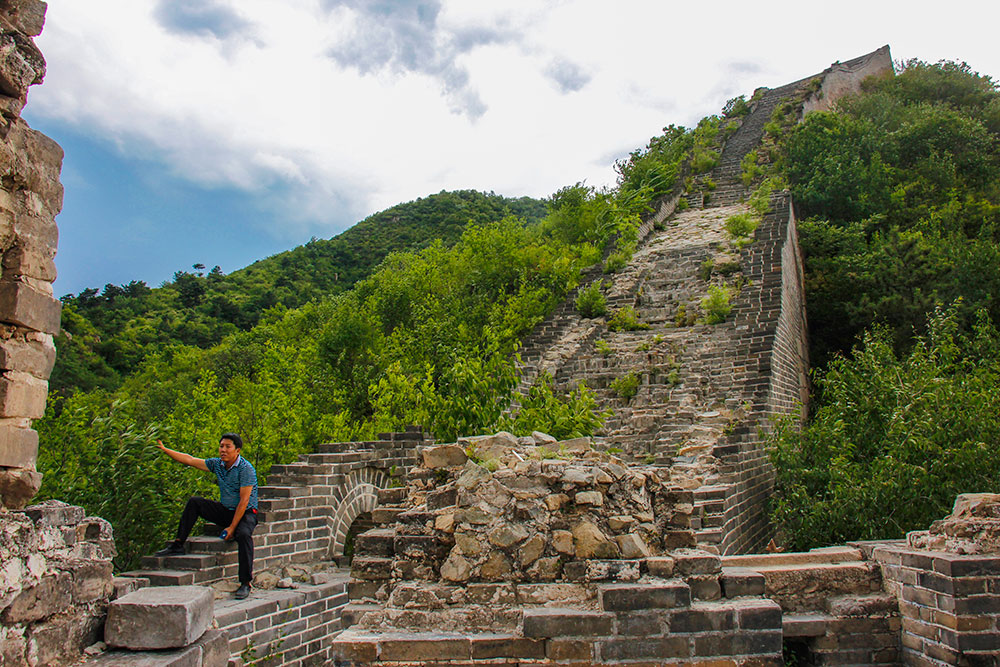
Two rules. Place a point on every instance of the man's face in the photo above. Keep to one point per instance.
(228, 451)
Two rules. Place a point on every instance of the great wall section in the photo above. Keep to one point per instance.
(636, 548)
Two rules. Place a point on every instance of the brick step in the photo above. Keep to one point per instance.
(172, 577)
(190, 561)
(802, 625)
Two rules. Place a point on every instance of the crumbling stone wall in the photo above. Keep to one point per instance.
(55, 581)
(842, 79)
(30, 198)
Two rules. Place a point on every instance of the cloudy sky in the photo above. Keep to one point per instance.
(222, 131)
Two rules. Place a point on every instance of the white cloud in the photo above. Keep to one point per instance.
(334, 109)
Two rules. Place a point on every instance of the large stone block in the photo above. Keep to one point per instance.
(21, 304)
(27, 16)
(38, 230)
(22, 395)
(26, 260)
(18, 447)
(35, 357)
(61, 639)
(55, 513)
(18, 486)
(443, 456)
(159, 617)
(19, 67)
(50, 595)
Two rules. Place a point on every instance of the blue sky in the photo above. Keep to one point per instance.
(223, 131)
(126, 217)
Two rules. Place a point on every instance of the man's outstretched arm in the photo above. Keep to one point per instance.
(181, 457)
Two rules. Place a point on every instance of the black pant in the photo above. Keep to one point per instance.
(216, 512)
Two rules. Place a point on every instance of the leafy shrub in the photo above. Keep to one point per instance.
(741, 225)
(626, 387)
(705, 271)
(572, 417)
(590, 301)
(615, 262)
(684, 317)
(749, 169)
(603, 348)
(716, 305)
(727, 268)
(703, 160)
(902, 433)
(736, 107)
(626, 319)
(760, 200)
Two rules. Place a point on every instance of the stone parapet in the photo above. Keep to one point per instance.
(55, 584)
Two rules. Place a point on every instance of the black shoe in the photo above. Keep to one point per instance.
(243, 591)
(172, 549)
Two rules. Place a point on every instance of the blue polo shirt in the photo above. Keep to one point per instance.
(230, 481)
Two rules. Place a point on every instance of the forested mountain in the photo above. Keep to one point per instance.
(111, 331)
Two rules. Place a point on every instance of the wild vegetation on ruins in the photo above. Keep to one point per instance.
(415, 317)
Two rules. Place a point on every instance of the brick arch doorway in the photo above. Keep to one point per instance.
(353, 514)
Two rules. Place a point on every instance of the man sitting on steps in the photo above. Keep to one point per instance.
(237, 510)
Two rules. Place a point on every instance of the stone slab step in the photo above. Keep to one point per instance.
(169, 577)
(823, 555)
(186, 562)
(159, 618)
(204, 544)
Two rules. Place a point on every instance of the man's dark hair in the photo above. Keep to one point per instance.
(237, 440)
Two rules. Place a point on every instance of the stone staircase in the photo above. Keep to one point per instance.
(680, 608)
(834, 609)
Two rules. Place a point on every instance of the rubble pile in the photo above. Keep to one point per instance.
(973, 527)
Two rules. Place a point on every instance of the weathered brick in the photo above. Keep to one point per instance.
(643, 623)
(52, 594)
(157, 618)
(764, 615)
(628, 597)
(703, 619)
(739, 582)
(965, 566)
(632, 649)
(424, 647)
(506, 646)
(566, 623)
(350, 648)
(569, 649)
